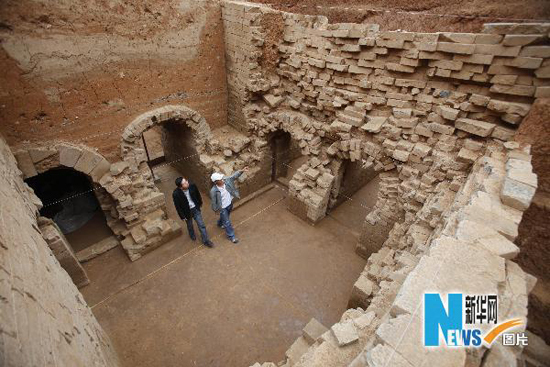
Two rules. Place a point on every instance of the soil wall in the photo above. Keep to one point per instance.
(83, 70)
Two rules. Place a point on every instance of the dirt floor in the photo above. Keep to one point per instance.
(352, 212)
(420, 15)
(95, 230)
(292, 168)
(187, 305)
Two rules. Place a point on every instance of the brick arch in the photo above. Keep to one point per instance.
(388, 209)
(39, 159)
(294, 123)
(131, 145)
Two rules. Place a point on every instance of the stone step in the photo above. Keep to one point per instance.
(97, 249)
(313, 331)
(296, 350)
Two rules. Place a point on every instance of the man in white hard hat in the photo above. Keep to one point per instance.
(221, 195)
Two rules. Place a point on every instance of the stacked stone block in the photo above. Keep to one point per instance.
(63, 251)
(423, 104)
(433, 113)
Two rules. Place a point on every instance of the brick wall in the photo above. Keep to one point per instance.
(433, 113)
(44, 320)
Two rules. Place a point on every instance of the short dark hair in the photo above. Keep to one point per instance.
(179, 180)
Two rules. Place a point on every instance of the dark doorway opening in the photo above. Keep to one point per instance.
(354, 194)
(69, 199)
(286, 157)
(353, 176)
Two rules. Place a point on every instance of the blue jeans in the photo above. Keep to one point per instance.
(226, 222)
(197, 216)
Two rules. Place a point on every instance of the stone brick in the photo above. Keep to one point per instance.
(272, 100)
(312, 173)
(100, 169)
(25, 164)
(87, 161)
(382, 355)
(456, 48)
(542, 92)
(523, 62)
(446, 64)
(421, 150)
(488, 39)
(476, 127)
(441, 129)
(401, 155)
(499, 245)
(39, 154)
(503, 133)
(535, 51)
(297, 350)
(497, 50)
(457, 37)
(375, 124)
(479, 100)
(520, 39)
(364, 320)
(509, 107)
(516, 28)
(394, 43)
(475, 59)
(313, 331)
(466, 155)
(516, 194)
(68, 155)
(448, 113)
(504, 79)
(392, 66)
(517, 90)
(345, 333)
(340, 126)
(543, 72)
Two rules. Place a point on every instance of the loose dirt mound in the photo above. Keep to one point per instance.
(438, 15)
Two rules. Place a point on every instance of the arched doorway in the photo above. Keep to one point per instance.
(286, 156)
(352, 177)
(184, 136)
(65, 175)
(69, 199)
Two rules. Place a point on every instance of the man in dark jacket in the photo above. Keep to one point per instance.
(188, 202)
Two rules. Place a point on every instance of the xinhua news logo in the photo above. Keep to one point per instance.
(459, 323)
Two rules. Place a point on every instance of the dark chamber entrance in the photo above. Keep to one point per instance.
(69, 200)
(286, 156)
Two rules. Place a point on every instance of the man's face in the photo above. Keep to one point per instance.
(184, 184)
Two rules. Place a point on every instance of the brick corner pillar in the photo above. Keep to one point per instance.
(63, 251)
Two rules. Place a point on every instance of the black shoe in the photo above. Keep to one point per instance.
(209, 244)
(235, 240)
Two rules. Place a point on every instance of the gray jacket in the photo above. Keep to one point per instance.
(216, 196)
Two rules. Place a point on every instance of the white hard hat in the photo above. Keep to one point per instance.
(216, 176)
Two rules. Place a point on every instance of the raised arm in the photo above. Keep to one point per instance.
(237, 174)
